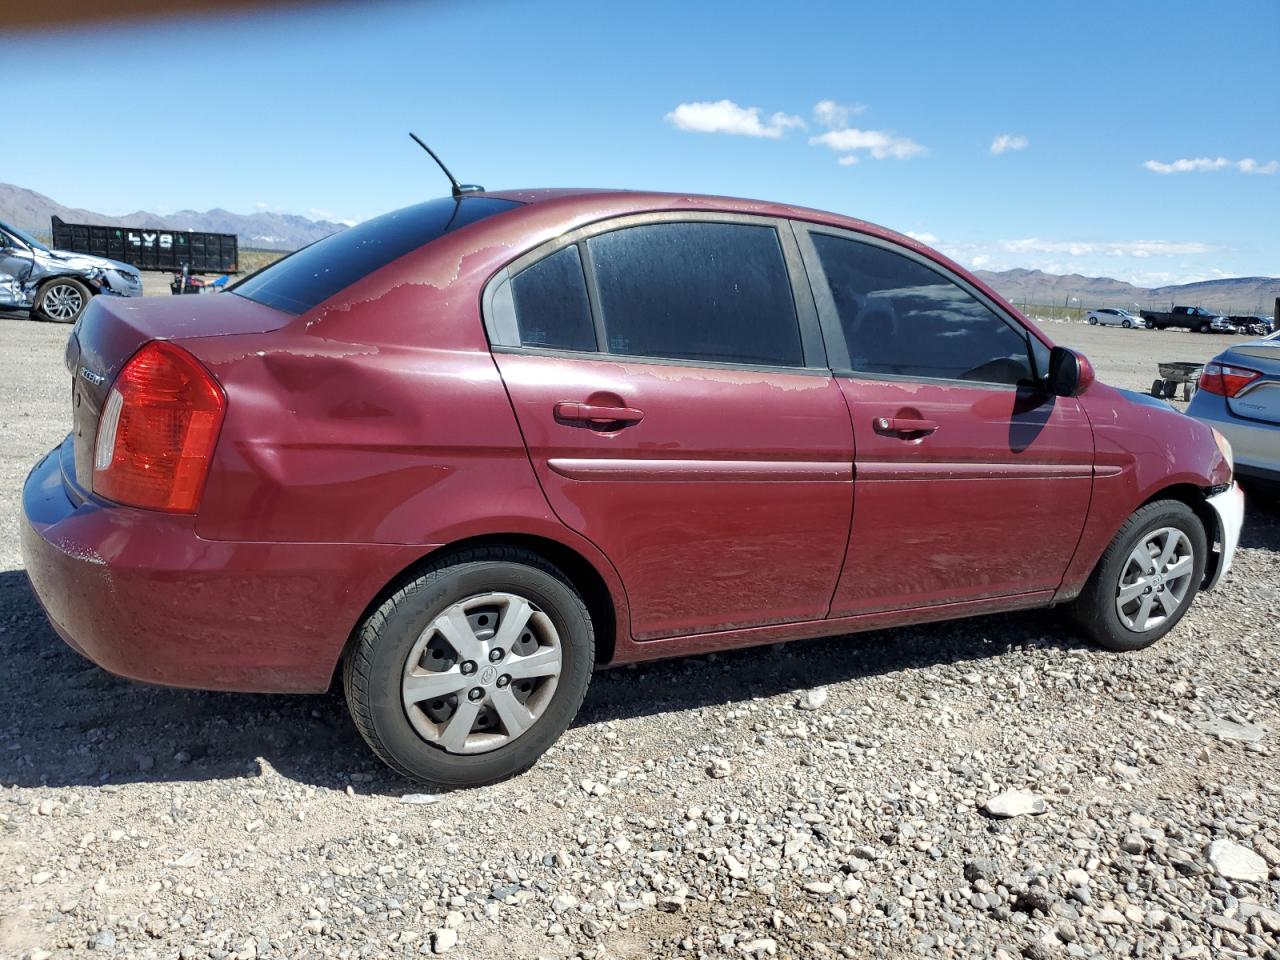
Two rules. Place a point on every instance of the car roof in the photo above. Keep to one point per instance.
(578, 206)
(643, 201)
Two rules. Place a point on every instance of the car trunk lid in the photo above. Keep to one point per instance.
(111, 330)
(1260, 400)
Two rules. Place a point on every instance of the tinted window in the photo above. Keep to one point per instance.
(551, 303)
(697, 291)
(902, 317)
(315, 273)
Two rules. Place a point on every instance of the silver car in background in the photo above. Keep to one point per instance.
(56, 284)
(1239, 396)
(1114, 317)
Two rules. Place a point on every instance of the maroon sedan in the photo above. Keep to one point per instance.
(464, 453)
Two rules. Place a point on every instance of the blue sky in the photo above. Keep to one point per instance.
(1141, 139)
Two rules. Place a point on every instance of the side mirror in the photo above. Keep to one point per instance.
(1070, 373)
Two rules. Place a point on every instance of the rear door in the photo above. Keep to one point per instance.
(970, 482)
(668, 375)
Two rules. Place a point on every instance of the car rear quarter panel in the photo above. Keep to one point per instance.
(1141, 450)
(378, 418)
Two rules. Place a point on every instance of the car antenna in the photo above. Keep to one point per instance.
(458, 188)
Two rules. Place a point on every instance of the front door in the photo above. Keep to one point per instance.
(15, 268)
(971, 482)
(679, 414)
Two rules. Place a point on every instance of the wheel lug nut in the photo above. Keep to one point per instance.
(496, 654)
(475, 694)
(503, 680)
(468, 667)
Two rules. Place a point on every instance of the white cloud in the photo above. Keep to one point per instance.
(1249, 165)
(848, 161)
(1109, 248)
(829, 114)
(877, 142)
(1211, 164)
(923, 237)
(725, 116)
(980, 261)
(1008, 141)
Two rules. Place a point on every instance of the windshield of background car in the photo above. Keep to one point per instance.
(298, 282)
(24, 237)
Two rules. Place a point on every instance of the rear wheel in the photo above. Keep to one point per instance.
(62, 300)
(1146, 579)
(469, 673)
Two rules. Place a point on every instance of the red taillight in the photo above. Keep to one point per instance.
(157, 431)
(1226, 380)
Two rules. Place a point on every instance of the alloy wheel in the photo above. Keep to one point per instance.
(482, 673)
(62, 302)
(1155, 579)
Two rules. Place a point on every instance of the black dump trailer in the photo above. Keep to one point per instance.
(151, 248)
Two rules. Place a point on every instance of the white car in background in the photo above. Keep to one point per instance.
(1114, 317)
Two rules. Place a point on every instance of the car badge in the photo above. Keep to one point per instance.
(96, 379)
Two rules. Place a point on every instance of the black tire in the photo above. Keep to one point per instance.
(1093, 321)
(1203, 328)
(1126, 324)
(374, 666)
(58, 296)
(1150, 325)
(1095, 609)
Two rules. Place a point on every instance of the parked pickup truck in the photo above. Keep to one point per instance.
(1191, 318)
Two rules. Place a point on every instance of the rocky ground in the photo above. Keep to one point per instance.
(983, 788)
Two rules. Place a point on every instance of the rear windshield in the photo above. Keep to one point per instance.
(301, 280)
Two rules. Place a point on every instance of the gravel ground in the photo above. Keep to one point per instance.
(829, 798)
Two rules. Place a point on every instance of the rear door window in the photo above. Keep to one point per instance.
(551, 305)
(698, 291)
(903, 318)
(315, 273)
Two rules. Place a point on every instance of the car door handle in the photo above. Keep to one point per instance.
(904, 426)
(597, 413)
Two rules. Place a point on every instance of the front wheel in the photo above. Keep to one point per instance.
(468, 674)
(1093, 321)
(1146, 579)
(62, 300)
(1126, 324)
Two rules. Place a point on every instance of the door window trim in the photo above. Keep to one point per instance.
(833, 332)
(498, 306)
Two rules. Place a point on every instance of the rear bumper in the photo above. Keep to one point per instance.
(141, 595)
(1255, 444)
(1245, 472)
(1228, 506)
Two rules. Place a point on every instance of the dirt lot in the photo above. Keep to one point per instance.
(147, 822)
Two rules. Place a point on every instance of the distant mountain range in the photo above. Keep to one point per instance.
(1231, 295)
(32, 211)
(283, 231)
